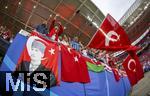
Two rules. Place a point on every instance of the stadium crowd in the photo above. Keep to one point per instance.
(55, 30)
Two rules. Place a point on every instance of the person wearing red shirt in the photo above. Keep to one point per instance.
(55, 30)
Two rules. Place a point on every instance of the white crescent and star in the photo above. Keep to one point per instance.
(131, 61)
(109, 38)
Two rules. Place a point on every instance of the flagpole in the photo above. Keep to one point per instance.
(59, 66)
(91, 39)
(123, 83)
(84, 90)
(124, 86)
(107, 83)
(95, 33)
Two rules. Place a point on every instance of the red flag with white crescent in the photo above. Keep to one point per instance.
(39, 52)
(110, 36)
(133, 68)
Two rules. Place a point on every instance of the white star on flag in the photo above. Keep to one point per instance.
(52, 51)
(75, 59)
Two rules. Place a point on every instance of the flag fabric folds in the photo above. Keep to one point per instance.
(133, 68)
(110, 36)
(74, 67)
(39, 55)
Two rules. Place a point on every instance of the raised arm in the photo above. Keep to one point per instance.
(61, 29)
(53, 23)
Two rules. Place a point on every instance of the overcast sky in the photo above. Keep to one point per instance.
(115, 8)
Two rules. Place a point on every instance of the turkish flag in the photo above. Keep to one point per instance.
(110, 36)
(116, 74)
(74, 67)
(133, 68)
(50, 59)
(49, 55)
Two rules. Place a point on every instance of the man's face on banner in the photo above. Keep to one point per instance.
(37, 51)
(36, 54)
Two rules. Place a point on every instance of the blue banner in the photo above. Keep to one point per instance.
(13, 53)
(97, 87)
